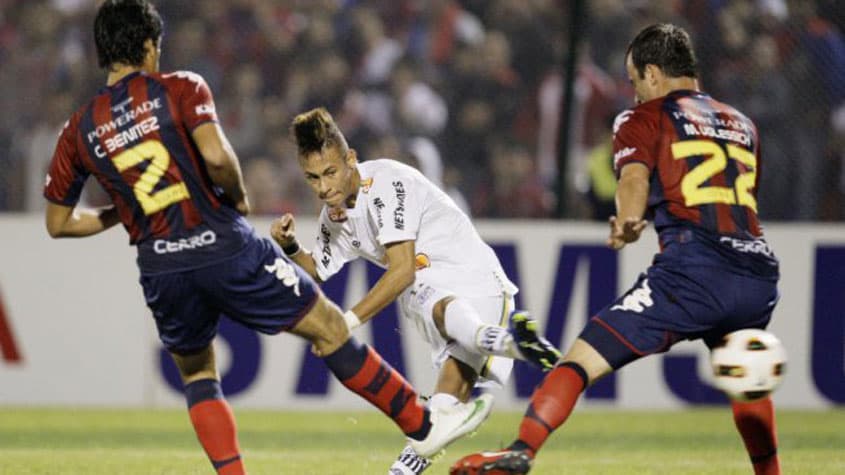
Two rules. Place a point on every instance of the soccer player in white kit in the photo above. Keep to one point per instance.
(446, 279)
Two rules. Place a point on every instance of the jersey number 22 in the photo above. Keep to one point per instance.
(715, 162)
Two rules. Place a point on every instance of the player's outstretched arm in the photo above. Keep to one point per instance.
(222, 163)
(631, 201)
(67, 221)
(400, 274)
(283, 231)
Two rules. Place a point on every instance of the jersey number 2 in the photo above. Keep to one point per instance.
(715, 163)
(159, 160)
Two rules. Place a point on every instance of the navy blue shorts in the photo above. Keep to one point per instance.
(672, 302)
(258, 287)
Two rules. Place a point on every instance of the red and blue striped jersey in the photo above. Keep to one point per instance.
(135, 138)
(704, 158)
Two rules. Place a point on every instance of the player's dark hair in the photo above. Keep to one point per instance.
(121, 28)
(315, 131)
(666, 46)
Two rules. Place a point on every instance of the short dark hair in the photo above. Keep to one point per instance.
(121, 28)
(666, 46)
(316, 130)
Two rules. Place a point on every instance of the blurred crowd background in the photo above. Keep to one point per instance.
(469, 91)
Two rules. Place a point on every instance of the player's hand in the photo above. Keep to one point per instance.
(283, 230)
(624, 232)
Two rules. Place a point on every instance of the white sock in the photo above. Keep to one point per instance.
(439, 400)
(464, 326)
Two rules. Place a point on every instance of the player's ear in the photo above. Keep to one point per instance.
(151, 52)
(652, 73)
(351, 157)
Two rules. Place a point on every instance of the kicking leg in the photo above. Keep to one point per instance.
(454, 385)
(211, 416)
(364, 372)
(457, 319)
(551, 404)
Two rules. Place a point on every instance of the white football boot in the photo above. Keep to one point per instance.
(451, 423)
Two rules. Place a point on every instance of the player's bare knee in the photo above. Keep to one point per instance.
(336, 334)
(196, 366)
(331, 332)
(593, 363)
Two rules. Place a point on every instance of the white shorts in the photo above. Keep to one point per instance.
(416, 303)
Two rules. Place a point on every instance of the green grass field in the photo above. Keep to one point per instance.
(703, 441)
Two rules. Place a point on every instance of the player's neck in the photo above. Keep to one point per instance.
(679, 84)
(118, 72)
(353, 197)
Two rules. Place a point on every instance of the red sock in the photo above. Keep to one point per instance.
(363, 371)
(756, 424)
(551, 404)
(214, 424)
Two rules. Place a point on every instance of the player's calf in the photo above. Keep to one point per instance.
(214, 424)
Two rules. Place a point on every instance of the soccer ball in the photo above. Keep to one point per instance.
(749, 364)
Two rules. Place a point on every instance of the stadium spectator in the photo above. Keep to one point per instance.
(515, 190)
(152, 140)
(42, 51)
(715, 273)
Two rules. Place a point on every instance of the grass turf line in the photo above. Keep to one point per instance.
(697, 441)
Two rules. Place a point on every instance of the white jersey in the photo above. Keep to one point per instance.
(397, 203)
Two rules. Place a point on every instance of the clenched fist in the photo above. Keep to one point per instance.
(283, 230)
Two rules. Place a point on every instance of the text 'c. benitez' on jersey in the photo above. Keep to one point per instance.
(134, 137)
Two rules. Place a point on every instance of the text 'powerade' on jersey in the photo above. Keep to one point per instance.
(134, 137)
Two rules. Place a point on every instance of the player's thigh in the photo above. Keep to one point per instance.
(260, 288)
(754, 300)
(649, 318)
(185, 320)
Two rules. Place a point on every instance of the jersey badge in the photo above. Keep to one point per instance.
(366, 184)
(337, 215)
(120, 108)
(422, 261)
(205, 109)
(620, 119)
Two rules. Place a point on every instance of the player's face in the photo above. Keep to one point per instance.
(645, 88)
(331, 174)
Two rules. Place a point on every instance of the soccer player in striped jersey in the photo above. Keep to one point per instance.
(152, 140)
(691, 164)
